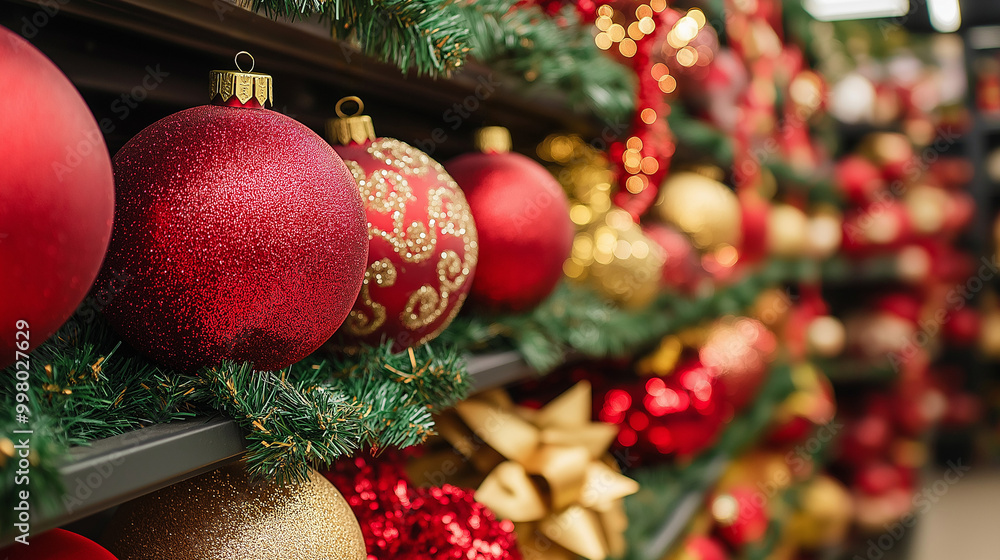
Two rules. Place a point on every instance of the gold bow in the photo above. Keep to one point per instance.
(548, 469)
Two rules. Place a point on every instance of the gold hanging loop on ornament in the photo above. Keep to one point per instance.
(236, 61)
(244, 85)
(350, 129)
(348, 99)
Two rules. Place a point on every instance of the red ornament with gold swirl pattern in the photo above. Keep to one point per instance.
(423, 243)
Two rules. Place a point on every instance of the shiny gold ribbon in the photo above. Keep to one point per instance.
(548, 470)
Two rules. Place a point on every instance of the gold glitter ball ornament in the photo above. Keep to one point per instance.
(223, 515)
(614, 255)
(705, 209)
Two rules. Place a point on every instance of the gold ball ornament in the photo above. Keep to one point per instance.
(705, 209)
(766, 470)
(772, 307)
(825, 515)
(927, 207)
(989, 334)
(913, 264)
(993, 165)
(787, 231)
(824, 233)
(223, 515)
(614, 255)
(825, 336)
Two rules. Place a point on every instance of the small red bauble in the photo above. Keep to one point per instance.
(525, 233)
(240, 234)
(741, 516)
(860, 180)
(680, 414)
(698, 547)
(423, 244)
(56, 197)
(682, 270)
(56, 544)
(739, 350)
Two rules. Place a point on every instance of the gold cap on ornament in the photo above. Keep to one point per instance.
(495, 139)
(347, 129)
(244, 85)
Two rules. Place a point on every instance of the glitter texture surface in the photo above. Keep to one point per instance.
(239, 234)
(222, 515)
(56, 196)
(525, 232)
(423, 249)
(400, 520)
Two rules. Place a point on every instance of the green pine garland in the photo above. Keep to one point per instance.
(435, 37)
(575, 320)
(427, 35)
(556, 53)
(88, 385)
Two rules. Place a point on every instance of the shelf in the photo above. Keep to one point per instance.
(186, 39)
(117, 469)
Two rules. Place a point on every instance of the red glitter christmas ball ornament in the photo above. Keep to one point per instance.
(423, 243)
(680, 414)
(56, 544)
(522, 215)
(240, 231)
(399, 520)
(56, 197)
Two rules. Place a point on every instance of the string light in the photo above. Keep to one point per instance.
(628, 48)
(634, 32)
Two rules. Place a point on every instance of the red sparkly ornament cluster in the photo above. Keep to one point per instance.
(680, 414)
(400, 520)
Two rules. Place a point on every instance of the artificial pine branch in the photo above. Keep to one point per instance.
(575, 319)
(427, 35)
(557, 53)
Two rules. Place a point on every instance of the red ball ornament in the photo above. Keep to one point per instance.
(522, 215)
(878, 478)
(739, 350)
(682, 270)
(961, 327)
(698, 547)
(56, 197)
(755, 215)
(423, 244)
(877, 227)
(56, 544)
(740, 516)
(399, 520)
(240, 232)
(865, 440)
(680, 414)
(859, 179)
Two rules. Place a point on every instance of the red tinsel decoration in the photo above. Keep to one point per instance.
(400, 520)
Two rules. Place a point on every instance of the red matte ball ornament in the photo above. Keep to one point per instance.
(423, 243)
(56, 198)
(239, 231)
(522, 215)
